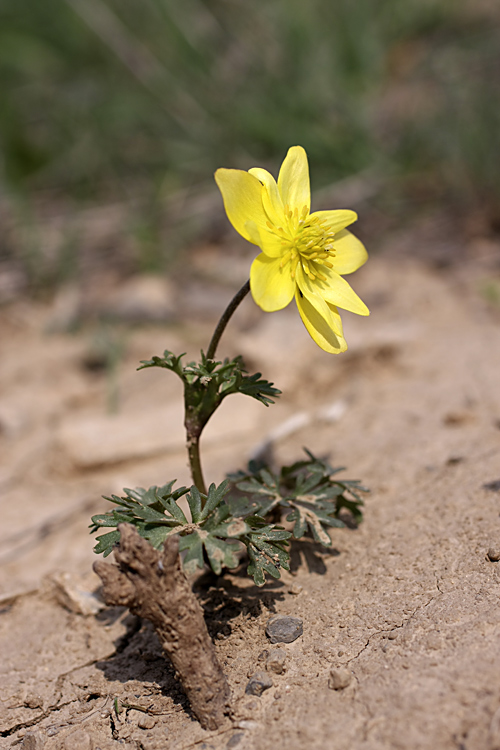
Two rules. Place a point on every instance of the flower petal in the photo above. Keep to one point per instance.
(335, 290)
(271, 198)
(272, 287)
(242, 196)
(320, 328)
(337, 219)
(328, 312)
(350, 253)
(293, 179)
(269, 243)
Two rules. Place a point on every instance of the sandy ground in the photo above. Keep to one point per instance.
(408, 604)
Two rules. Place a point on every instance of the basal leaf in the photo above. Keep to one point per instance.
(261, 562)
(220, 554)
(194, 502)
(192, 544)
(156, 535)
(174, 510)
(215, 496)
(235, 527)
(106, 542)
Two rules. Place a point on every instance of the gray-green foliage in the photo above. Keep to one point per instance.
(208, 382)
(306, 492)
(238, 514)
(245, 510)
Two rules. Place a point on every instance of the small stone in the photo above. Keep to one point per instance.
(73, 597)
(453, 460)
(33, 741)
(493, 554)
(235, 740)
(78, 740)
(258, 683)
(150, 743)
(33, 700)
(248, 724)
(295, 589)
(339, 678)
(284, 629)
(142, 719)
(146, 721)
(276, 659)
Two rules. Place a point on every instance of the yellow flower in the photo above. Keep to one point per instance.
(303, 254)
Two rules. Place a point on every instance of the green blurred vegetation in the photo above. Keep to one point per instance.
(137, 102)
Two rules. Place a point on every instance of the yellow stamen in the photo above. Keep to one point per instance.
(285, 259)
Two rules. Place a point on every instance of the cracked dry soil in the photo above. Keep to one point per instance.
(409, 603)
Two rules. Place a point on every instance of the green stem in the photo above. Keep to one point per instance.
(193, 446)
(193, 423)
(226, 316)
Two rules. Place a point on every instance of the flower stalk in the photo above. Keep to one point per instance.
(196, 417)
(226, 315)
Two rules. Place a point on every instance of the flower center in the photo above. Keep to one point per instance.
(306, 240)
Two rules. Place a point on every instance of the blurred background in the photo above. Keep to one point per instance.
(114, 115)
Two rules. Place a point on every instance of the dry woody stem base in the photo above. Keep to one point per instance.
(153, 585)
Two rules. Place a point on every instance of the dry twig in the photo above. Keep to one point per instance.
(153, 585)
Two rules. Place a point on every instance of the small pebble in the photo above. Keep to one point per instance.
(453, 460)
(493, 554)
(339, 678)
(258, 683)
(235, 740)
(146, 721)
(276, 659)
(247, 724)
(33, 700)
(295, 589)
(283, 629)
(33, 741)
